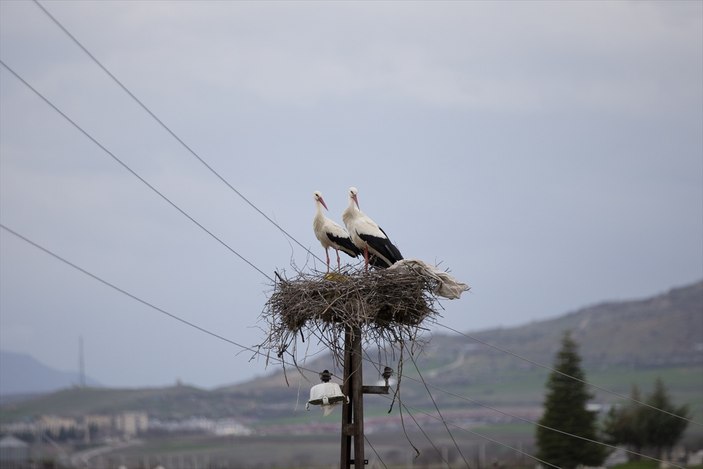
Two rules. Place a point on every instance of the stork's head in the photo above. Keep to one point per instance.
(317, 195)
(353, 191)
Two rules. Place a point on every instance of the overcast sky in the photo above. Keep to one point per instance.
(550, 154)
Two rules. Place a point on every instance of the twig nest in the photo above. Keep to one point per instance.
(388, 307)
(383, 298)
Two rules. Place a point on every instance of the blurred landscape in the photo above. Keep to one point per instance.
(488, 384)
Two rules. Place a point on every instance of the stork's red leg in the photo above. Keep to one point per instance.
(339, 267)
(327, 254)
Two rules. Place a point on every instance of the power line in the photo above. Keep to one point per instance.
(438, 412)
(154, 307)
(549, 368)
(427, 437)
(375, 452)
(125, 292)
(507, 414)
(257, 352)
(480, 435)
(221, 178)
(168, 129)
(439, 453)
(131, 171)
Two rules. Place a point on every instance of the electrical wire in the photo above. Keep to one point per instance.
(456, 445)
(125, 292)
(375, 452)
(131, 171)
(271, 279)
(427, 437)
(532, 422)
(546, 367)
(168, 129)
(439, 453)
(259, 270)
(480, 435)
(219, 176)
(258, 352)
(154, 307)
(146, 303)
(507, 414)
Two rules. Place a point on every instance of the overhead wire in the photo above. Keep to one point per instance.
(168, 129)
(507, 414)
(154, 307)
(248, 201)
(275, 359)
(532, 422)
(375, 452)
(271, 279)
(131, 171)
(123, 291)
(434, 402)
(259, 211)
(480, 435)
(144, 181)
(180, 319)
(427, 437)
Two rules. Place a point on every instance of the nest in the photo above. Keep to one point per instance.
(386, 306)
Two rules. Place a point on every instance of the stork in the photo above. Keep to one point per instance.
(368, 236)
(330, 234)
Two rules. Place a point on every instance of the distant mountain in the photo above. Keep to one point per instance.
(23, 374)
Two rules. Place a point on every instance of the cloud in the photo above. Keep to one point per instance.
(507, 57)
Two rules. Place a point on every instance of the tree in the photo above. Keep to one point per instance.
(565, 410)
(662, 430)
(624, 426)
(646, 426)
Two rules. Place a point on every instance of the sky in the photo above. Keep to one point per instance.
(549, 154)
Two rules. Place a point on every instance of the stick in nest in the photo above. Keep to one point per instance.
(388, 306)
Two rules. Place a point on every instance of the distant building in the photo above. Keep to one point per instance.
(101, 423)
(130, 424)
(14, 453)
(54, 424)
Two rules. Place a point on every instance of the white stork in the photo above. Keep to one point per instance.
(368, 236)
(330, 234)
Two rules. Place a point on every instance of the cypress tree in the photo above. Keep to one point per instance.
(565, 410)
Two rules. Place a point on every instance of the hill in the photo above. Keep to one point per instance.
(622, 343)
(23, 374)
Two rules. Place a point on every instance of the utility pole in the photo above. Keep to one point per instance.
(353, 411)
(81, 362)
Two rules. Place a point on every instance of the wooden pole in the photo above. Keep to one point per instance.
(358, 398)
(352, 412)
(345, 459)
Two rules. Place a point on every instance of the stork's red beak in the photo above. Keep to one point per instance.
(356, 201)
(322, 201)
